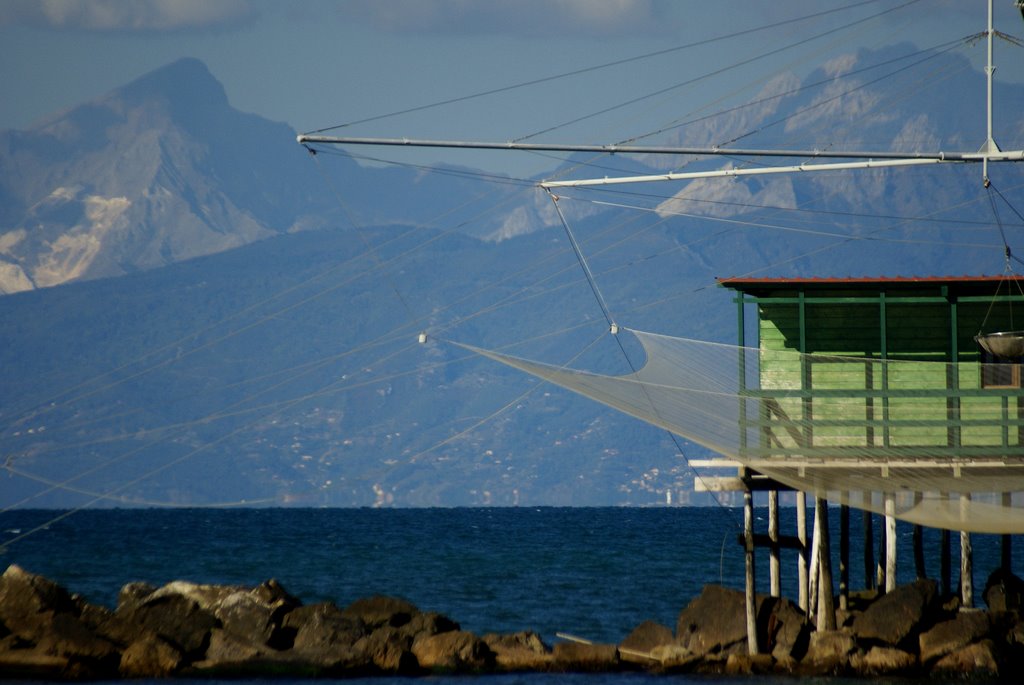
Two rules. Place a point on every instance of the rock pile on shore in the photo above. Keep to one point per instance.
(188, 629)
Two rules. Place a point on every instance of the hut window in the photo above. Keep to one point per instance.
(1000, 372)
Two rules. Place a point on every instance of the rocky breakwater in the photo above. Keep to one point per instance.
(187, 629)
(910, 632)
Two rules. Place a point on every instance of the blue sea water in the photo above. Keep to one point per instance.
(592, 572)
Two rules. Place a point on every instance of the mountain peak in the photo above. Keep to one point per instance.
(186, 81)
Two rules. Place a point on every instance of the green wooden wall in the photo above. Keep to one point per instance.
(887, 389)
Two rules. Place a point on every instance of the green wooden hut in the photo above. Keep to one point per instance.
(868, 382)
(858, 378)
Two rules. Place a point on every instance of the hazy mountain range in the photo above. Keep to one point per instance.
(224, 324)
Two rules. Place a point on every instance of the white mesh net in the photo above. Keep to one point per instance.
(923, 435)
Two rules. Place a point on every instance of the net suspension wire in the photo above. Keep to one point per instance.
(628, 60)
(613, 329)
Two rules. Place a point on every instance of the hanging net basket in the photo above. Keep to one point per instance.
(1003, 345)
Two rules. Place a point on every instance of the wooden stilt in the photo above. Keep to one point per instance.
(813, 576)
(774, 570)
(869, 549)
(844, 557)
(751, 599)
(801, 532)
(890, 543)
(826, 602)
(966, 562)
(880, 563)
(1006, 548)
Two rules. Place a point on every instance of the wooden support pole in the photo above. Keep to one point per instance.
(869, 548)
(1006, 547)
(844, 557)
(801, 533)
(966, 570)
(890, 543)
(880, 563)
(751, 598)
(919, 566)
(774, 570)
(813, 576)
(826, 602)
(966, 560)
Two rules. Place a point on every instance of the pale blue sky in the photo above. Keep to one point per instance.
(316, 63)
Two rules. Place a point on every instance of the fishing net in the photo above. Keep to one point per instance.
(930, 442)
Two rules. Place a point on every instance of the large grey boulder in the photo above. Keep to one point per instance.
(952, 635)
(675, 659)
(226, 650)
(977, 661)
(715, 622)
(829, 653)
(67, 636)
(427, 623)
(46, 632)
(898, 617)
(215, 628)
(883, 661)
(252, 617)
(521, 651)
(1004, 591)
(644, 638)
(454, 650)
(177, 618)
(389, 650)
(106, 624)
(380, 610)
(150, 657)
(712, 621)
(783, 628)
(323, 635)
(28, 602)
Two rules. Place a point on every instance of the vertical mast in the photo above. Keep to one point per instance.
(990, 146)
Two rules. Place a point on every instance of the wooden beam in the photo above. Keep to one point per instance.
(774, 570)
(750, 594)
(890, 543)
(966, 562)
(1006, 548)
(737, 484)
(826, 602)
(844, 557)
(801, 532)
